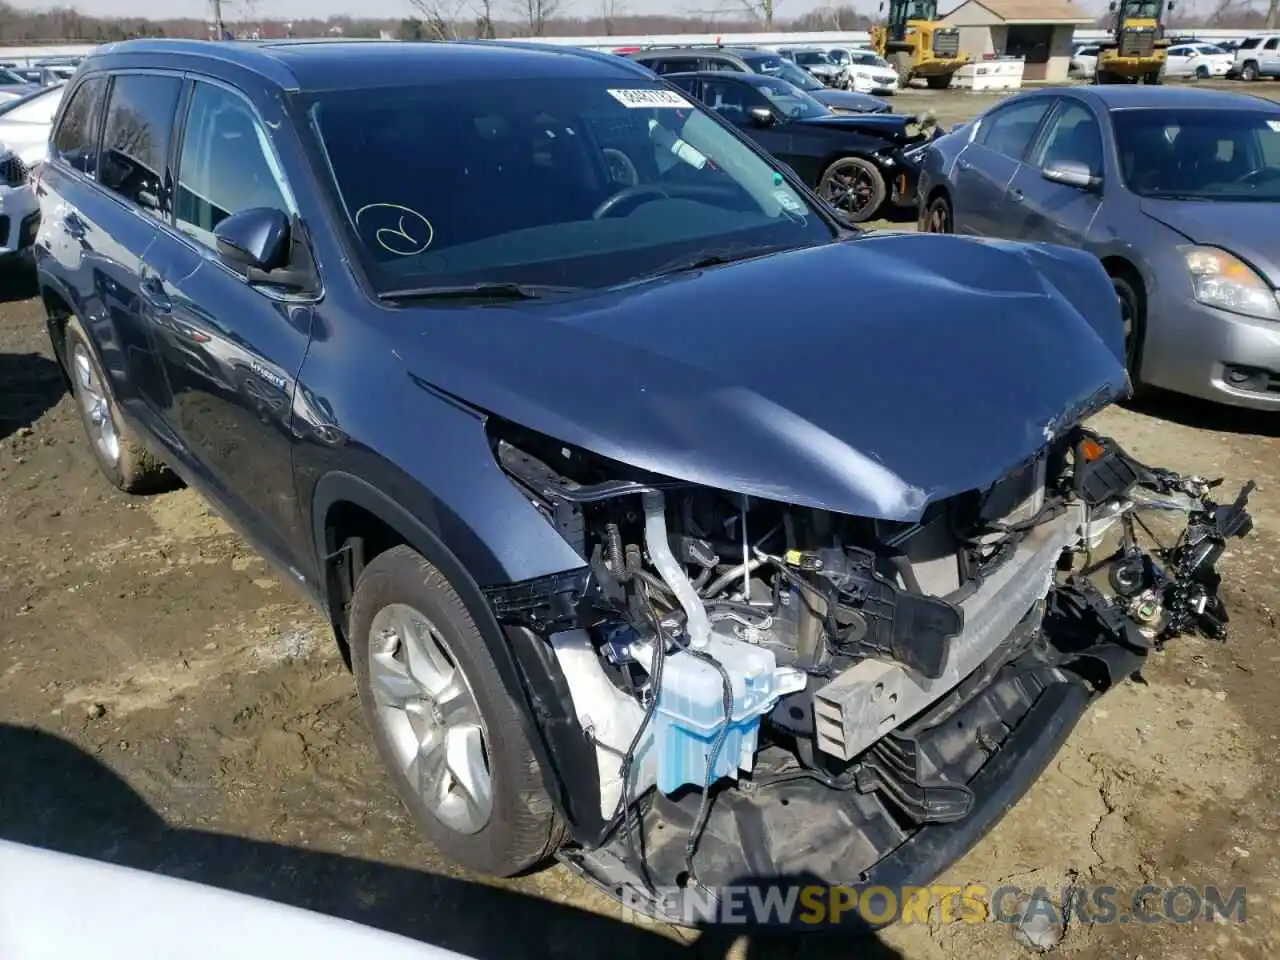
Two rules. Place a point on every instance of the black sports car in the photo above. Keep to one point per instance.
(855, 161)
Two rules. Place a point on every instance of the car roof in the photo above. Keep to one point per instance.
(1122, 96)
(754, 79)
(313, 65)
(695, 51)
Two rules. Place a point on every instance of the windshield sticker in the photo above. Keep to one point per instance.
(648, 99)
(398, 230)
(1274, 125)
(787, 201)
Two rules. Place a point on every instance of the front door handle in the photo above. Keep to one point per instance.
(74, 226)
(152, 292)
(963, 164)
(1018, 196)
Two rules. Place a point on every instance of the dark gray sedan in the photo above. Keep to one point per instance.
(1176, 191)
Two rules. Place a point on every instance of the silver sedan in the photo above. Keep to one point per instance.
(1176, 191)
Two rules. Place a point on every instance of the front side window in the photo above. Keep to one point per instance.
(1008, 130)
(1073, 136)
(1227, 155)
(135, 140)
(76, 140)
(582, 183)
(226, 166)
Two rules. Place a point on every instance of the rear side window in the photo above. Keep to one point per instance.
(1009, 130)
(76, 142)
(135, 141)
(1272, 43)
(1250, 43)
(674, 65)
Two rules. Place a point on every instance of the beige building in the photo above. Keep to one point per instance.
(1039, 31)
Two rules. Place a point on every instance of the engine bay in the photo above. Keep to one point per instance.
(716, 644)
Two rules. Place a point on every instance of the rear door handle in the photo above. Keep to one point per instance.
(153, 293)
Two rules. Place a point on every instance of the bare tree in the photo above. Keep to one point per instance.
(484, 20)
(610, 10)
(440, 18)
(1272, 9)
(536, 13)
(759, 12)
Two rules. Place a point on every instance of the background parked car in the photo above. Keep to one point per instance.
(664, 60)
(855, 162)
(1258, 57)
(14, 86)
(1175, 191)
(816, 62)
(25, 123)
(1084, 62)
(868, 72)
(1199, 60)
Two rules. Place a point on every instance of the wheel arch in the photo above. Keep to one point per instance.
(1119, 265)
(353, 521)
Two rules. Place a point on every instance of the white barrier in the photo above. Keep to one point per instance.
(1002, 74)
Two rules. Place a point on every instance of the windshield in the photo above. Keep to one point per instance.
(922, 10)
(793, 102)
(1230, 155)
(785, 70)
(1142, 9)
(813, 58)
(8, 78)
(869, 60)
(580, 183)
(838, 57)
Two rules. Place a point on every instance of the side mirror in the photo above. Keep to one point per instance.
(257, 238)
(762, 116)
(1071, 174)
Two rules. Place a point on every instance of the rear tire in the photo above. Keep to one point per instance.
(428, 684)
(1202, 72)
(120, 456)
(1249, 71)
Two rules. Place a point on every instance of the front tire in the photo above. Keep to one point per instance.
(450, 734)
(120, 456)
(938, 83)
(937, 218)
(1133, 317)
(855, 187)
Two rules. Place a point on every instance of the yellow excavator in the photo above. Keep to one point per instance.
(917, 45)
(1136, 50)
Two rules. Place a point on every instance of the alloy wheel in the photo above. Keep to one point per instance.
(848, 187)
(429, 713)
(94, 407)
(939, 220)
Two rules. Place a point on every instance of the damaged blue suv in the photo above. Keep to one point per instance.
(671, 527)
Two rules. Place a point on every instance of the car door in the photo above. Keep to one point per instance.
(987, 164)
(105, 229)
(1041, 209)
(734, 100)
(232, 350)
(1269, 57)
(1177, 61)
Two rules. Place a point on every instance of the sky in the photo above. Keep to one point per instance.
(285, 9)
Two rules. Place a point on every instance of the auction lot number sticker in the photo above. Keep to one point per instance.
(648, 99)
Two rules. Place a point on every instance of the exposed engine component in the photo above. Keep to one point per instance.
(706, 628)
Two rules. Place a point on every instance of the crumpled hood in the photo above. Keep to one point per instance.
(850, 100)
(890, 125)
(1246, 229)
(867, 377)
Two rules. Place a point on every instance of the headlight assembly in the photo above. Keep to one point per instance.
(1220, 279)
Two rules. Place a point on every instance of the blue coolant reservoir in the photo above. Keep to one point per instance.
(690, 711)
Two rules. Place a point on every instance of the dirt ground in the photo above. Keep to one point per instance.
(166, 702)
